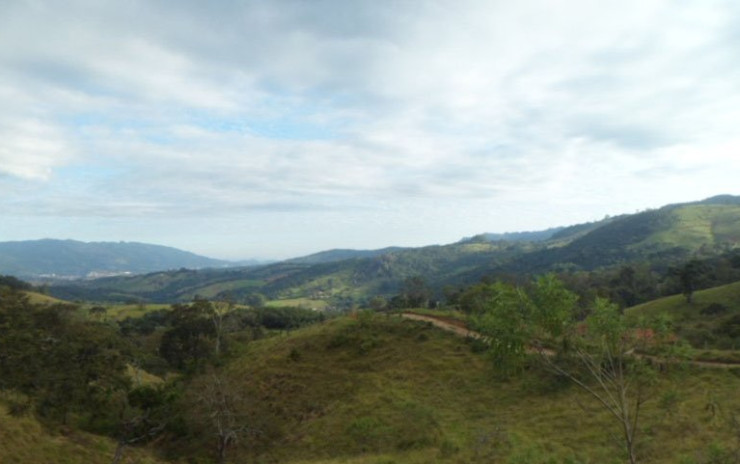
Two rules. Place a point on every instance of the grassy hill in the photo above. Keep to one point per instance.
(711, 320)
(385, 390)
(661, 236)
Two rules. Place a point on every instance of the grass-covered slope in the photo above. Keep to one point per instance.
(385, 390)
(711, 320)
(665, 235)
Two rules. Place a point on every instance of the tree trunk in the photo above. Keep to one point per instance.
(119, 452)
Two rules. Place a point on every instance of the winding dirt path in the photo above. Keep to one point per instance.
(444, 323)
(459, 328)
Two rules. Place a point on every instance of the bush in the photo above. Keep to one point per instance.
(714, 309)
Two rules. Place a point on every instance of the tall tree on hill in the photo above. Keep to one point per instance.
(189, 341)
(690, 276)
(415, 292)
(218, 312)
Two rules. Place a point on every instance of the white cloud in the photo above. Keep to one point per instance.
(240, 108)
(30, 149)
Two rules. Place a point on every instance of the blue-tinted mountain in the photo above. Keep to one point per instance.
(70, 258)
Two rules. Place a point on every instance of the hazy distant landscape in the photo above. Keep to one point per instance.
(369, 232)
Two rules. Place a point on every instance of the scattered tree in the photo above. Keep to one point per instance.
(255, 300)
(690, 276)
(415, 292)
(378, 303)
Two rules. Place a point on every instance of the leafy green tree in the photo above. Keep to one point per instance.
(690, 276)
(144, 413)
(415, 292)
(189, 341)
(378, 303)
(505, 323)
(97, 312)
(476, 299)
(255, 300)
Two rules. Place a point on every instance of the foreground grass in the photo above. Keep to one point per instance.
(379, 389)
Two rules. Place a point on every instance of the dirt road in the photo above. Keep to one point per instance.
(458, 327)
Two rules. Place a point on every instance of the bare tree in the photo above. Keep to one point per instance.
(224, 409)
(601, 362)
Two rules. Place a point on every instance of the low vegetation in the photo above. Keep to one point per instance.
(26, 440)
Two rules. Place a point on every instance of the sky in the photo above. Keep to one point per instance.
(271, 129)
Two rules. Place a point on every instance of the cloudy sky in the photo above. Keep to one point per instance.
(276, 128)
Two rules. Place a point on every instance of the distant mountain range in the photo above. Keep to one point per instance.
(74, 259)
(660, 237)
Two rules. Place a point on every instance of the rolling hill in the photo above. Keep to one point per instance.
(662, 237)
(380, 389)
